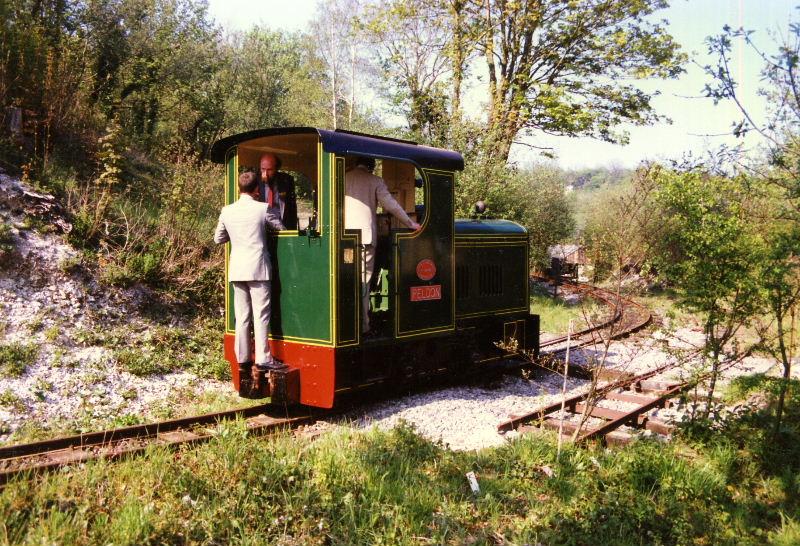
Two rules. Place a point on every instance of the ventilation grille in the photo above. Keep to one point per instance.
(490, 280)
(462, 281)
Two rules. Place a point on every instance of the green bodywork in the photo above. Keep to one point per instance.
(316, 277)
(491, 268)
(301, 266)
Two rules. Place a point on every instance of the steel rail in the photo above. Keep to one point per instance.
(540, 413)
(114, 444)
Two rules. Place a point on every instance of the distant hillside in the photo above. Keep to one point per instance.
(589, 184)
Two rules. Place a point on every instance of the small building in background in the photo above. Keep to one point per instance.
(567, 262)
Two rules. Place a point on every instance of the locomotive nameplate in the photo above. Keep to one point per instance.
(426, 293)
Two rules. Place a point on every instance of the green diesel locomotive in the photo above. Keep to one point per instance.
(442, 299)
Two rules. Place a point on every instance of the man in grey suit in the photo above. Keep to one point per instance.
(363, 192)
(245, 223)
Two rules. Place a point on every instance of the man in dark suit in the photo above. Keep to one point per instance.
(277, 190)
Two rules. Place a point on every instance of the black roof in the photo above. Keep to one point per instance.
(349, 143)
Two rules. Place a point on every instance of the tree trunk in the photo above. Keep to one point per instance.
(458, 57)
(333, 98)
(715, 351)
(787, 371)
(352, 86)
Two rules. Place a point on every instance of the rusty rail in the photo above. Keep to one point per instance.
(624, 309)
(48, 455)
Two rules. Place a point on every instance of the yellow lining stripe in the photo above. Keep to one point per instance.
(452, 325)
(341, 236)
(494, 312)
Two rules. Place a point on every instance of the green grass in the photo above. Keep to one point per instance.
(195, 347)
(6, 238)
(11, 400)
(397, 488)
(555, 313)
(16, 357)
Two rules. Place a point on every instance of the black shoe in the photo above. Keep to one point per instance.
(245, 387)
(271, 365)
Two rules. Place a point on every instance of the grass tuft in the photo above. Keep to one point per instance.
(11, 400)
(555, 313)
(16, 357)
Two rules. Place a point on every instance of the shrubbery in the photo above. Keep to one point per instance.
(195, 347)
(16, 357)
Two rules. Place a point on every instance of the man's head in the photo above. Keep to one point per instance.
(248, 183)
(367, 162)
(269, 165)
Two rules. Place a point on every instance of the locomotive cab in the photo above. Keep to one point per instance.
(315, 327)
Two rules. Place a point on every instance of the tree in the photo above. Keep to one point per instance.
(625, 224)
(338, 44)
(707, 253)
(534, 198)
(779, 172)
(780, 275)
(412, 40)
(562, 67)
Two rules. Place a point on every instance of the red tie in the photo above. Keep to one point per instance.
(270, 198)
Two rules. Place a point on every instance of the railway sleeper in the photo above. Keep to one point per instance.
(615, 437)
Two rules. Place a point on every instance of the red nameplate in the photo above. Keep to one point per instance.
(425, 293)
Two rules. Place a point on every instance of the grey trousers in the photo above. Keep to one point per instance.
(251, 299)
(367, 269)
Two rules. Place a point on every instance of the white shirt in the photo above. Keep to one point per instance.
(363, 192)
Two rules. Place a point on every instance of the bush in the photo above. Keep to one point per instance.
(141, 363)
(16, 357)
(10, 399)
(6, 243)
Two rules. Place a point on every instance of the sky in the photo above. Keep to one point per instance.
(695, 122)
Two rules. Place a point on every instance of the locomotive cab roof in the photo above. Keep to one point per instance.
(292, 141)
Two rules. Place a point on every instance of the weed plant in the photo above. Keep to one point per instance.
(11, 400)
(16, 357)
(734, 487)
(6, 243)
(164, 349)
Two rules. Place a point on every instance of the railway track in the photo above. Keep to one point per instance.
(641, 392)
(49, 455)
(626, 317)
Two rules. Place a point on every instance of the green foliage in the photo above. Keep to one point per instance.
(534, 198)
(709, 245)
(271, 79)
(194, 347)
(11, 400)
(6, 243)
(624, 224)
(140, 363)
(142, 267)
(347, 487)
(561, 68)
(16, 357)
